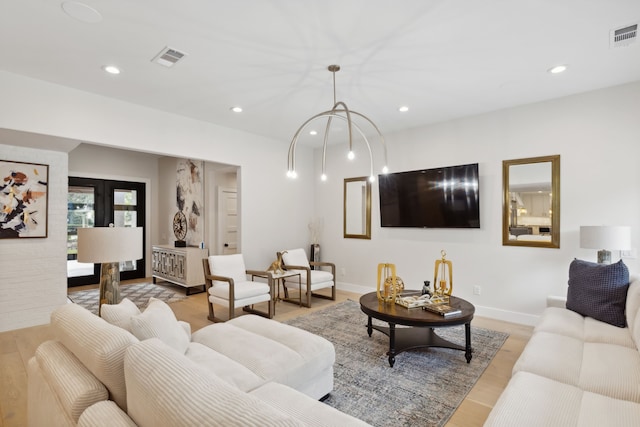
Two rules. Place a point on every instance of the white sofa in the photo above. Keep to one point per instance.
(247, 371)
(576, 371)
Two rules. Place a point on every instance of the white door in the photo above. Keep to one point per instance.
(227, 221)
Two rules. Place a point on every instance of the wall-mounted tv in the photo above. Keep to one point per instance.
(445, 197)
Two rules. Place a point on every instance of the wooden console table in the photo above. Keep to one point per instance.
(182, 266)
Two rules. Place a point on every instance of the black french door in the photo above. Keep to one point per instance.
(98, 203)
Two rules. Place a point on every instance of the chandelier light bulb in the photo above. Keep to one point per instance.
(351, 156)
(323, 177)
(292, 174)
(385, 169)
(372, 178)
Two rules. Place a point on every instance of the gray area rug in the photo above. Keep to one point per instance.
(139, 293)
(424, 387)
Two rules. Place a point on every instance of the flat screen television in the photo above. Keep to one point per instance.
(445, 197)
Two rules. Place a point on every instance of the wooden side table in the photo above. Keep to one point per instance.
(279, 279)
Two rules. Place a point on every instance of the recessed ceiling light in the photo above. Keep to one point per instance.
(313, 132)
(81, 12)
(403, 109)
(236, 109)
(557, 69)
(111, 69)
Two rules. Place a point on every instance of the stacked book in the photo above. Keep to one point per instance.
(442, 309)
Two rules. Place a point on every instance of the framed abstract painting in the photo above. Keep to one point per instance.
(23, 199)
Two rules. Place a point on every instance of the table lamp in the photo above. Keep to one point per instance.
(109, 246)
(605, 238)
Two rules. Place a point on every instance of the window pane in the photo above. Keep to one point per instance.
(80, 213)
(125, 215)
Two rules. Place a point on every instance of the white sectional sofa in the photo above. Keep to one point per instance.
(576, 371)
(249, 371)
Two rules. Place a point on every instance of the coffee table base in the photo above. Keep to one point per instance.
(409, 338)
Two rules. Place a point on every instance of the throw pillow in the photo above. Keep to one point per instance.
(598, 290)
(158, 321)
(120, 314)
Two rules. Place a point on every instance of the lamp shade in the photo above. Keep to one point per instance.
(109, 244)
(605, 237)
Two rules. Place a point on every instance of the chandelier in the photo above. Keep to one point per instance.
(339, 111)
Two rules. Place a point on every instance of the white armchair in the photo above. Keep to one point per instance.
(226, 284)
(312, 280)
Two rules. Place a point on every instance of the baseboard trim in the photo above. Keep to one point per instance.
(507, 316)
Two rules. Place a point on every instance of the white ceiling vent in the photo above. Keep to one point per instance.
(168, 57)
(623, 36)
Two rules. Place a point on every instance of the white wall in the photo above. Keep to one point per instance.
(272, 216)
(33, 274)
(597, 135)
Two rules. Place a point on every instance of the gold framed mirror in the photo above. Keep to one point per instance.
(531, 202)
(357, 208)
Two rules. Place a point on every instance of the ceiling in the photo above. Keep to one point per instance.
(442, 59)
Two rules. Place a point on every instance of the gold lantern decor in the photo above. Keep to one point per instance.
(443, 277)
(391, 284)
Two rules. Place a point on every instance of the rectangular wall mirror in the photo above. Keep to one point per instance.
(531, 202)
(357, 208)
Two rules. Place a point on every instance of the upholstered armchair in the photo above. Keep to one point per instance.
(312, 280)
(227, 284)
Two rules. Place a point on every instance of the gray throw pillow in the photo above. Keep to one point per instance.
(598, 290)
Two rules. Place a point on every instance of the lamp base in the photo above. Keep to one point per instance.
(109, 284)
(604, 257)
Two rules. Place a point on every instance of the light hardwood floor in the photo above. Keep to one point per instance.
(17, 347)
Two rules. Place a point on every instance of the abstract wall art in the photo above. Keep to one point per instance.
(23, 199)
(190, 198)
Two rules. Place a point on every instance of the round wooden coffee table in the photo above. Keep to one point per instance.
(421, 323)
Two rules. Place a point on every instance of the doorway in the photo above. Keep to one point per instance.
(98, 203)
(227, 221)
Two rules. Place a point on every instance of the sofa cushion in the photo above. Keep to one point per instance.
(105, 413)
(532, 400)
(607, 369)
(571, 324)
(598, 290)
(73, 384)
(120, 314)
(632, 311)
(97, 344)
(309, 411)
(295, 356)
(158, 321)
(167, 389)
(223, 367)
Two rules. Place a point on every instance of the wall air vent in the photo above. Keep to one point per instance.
(623, 36)
(168, 57)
